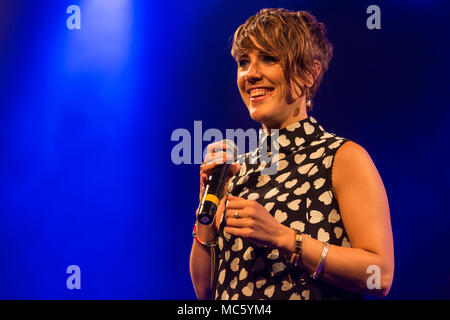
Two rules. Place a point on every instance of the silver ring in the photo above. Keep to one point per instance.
(236, 214)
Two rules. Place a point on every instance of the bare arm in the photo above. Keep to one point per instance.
(365, 214)
(200, 259)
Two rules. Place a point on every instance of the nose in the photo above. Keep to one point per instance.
(253, 74)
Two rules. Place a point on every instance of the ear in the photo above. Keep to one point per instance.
(318, 68)
(312, 78)
(296, 91)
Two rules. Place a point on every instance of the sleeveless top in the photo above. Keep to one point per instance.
(299, 195)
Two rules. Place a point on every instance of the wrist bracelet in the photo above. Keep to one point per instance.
(296, 254)
(316, 274)
(212, 243)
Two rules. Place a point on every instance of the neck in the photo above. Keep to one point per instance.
(298, 115)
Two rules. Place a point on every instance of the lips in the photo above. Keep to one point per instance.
(259, 93)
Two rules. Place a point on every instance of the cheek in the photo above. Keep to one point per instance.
(241, 87)
(286, 93)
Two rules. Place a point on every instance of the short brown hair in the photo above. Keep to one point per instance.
(295, 38)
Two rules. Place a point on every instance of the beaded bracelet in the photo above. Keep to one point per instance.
(212, 243)
(296, 255)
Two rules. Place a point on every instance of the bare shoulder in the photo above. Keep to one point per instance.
(362, 199)
(352, 152)
(352, 162)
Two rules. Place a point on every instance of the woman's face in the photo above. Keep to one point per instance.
(265, 91)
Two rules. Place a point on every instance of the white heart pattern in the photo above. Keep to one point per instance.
(233, 283)
(338, 232)
(294, 205)
(253, 196)
(313, 171)
(303, 189)
(317, 154)
(281, 178)
(280, 216)
(308, 128)
(271, 193)
(269, 205)
(274, 254)
(299, 158)
(248, 289)
(283, 141)
(298, 225)
(286, 286)
(260, 282)
(315, 216)
(277, 268)
(238, 245)
(334, 216)
(234, 265)
(290, 183)
(269, 291)
(327, 161)
(262, 180)
(299, 141)
(222, 276)
(293, 126)
(319, 183)
(323, 236)
(243, 274)
(249, 254)
(325, 197)
(294, 185)
(282, 165)
(305, 168)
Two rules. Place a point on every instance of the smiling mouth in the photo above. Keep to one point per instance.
(259, 94)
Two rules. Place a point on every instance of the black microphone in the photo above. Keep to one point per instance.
(214, 187)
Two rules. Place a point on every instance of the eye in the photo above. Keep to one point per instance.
(242, 62)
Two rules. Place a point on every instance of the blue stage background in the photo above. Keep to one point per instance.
(86, 117)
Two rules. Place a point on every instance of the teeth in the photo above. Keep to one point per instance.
(258, 92)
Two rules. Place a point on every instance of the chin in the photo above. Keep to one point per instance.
(256, 115)
(261, 118)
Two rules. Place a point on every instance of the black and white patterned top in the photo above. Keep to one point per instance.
(298, 195)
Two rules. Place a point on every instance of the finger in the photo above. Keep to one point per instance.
(206, 167)
(221, 156)
(212, 155)
(238, 232)
(232, 213)
(239, 223)
(204, 178)
(235, 204)
(217, 147)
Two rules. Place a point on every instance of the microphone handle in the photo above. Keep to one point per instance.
(213, 190)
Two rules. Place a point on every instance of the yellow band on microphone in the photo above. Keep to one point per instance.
(212, 198)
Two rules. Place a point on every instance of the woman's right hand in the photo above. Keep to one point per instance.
(216, 155)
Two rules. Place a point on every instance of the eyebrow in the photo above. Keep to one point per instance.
(245, 55)
(241, 56)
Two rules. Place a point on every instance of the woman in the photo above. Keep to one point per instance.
(320, 227)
